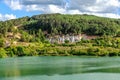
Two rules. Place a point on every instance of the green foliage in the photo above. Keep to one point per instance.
(83, 48)
(67, 41)
(1, 42)
(118, 34)
(107, 42)
(25, 37)
(63, 24)
(33, 30)
(3, 53)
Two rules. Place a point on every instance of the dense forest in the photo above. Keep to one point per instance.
(63, 24)
(27, 35)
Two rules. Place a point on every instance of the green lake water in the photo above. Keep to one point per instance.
(60, 68)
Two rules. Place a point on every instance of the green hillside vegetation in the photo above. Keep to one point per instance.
(27, 36)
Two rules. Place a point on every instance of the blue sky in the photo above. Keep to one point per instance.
(11, 9)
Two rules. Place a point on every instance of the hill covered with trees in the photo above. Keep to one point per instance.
(32, 31)
(63, 24)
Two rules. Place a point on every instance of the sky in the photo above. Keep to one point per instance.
(11, 9)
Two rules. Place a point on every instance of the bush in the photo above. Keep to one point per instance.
(113, 54)
(9, 51)
(3, 53)
(67, 41)
(19, 51)
(93, 51)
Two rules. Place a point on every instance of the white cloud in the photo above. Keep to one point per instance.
(55, 9)
(7, 17)
(34, 8)
(14, 4)
(114, 3)
(105, 8)
(110, 15)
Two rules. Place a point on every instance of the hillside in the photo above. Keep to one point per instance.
(28, 35)
(63, 24)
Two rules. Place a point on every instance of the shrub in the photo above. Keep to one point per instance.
(67, 41)
(1, 42)
(2, 53)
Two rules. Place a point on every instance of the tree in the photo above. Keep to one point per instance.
(20, 51)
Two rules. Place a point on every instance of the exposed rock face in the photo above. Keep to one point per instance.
(70, 38)
(61, 39)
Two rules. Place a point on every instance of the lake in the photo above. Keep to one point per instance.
(60, 68)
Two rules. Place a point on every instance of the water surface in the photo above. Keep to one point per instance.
(60, 68)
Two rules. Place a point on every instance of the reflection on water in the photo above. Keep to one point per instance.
(60, 68)
(11, 69)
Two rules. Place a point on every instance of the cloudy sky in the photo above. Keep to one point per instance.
(10, 9)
